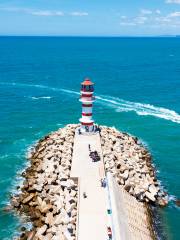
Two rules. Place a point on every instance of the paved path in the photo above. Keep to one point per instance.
(93, 209)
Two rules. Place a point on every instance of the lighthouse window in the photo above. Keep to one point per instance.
(87, 88)
(91, 88)
(83, 88)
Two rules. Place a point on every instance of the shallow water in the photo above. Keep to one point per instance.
(137, 89)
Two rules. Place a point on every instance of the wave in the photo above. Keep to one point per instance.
(120, 105)
(44, 97)
(172, 198)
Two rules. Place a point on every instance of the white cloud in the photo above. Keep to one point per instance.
(173, 1)
(79, 14)
(162, 20)
(123, 17)
(153, 20)
(33, 12)
(146, 11)
(168, 21)
(15, 9)
(127, 24)
(140, 20)
(174, 14)
(47, 13)
(158, 11)
(40, 12)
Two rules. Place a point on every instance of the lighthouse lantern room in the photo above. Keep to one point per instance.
(87, 99)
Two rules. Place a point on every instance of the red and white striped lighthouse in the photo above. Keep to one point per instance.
(87, 99)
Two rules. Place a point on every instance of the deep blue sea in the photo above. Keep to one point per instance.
(137, 84)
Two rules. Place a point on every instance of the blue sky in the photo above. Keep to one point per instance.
(90, 17)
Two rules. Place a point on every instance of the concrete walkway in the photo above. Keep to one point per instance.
(93, 209)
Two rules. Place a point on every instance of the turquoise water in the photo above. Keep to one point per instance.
(137, 87)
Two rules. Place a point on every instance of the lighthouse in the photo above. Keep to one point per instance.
(87, 99)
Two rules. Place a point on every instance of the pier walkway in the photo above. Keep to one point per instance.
(128, 218)
(92, 219)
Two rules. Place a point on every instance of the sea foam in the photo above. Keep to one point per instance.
(43, 97)
(120, 105)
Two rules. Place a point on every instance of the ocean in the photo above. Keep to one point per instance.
(137, 88)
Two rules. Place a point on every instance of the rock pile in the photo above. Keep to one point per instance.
(130, 163)
(49, 195)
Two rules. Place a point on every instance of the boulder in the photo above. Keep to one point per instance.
(15, 202)
(125, 174)
(49, 219)
(49, 155)
(27, 199)
(150, 196)
(38, 187)
(58, 219)
(152, 189)
(39, 200)
(30, 235)
(64, 183)
(162, 202)
(41, 230)
(73, 193)
(67, 235)
(48, 236)
(44, 207)
(127, 187)
(66, 219)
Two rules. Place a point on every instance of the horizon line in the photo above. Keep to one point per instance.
(93, 36)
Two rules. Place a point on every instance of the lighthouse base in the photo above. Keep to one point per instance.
(87, 125)
(87, 128)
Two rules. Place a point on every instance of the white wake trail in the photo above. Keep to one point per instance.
(39, 86)
(118, 104)
(140, 108)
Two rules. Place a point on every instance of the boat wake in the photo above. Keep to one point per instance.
(118, 104)
(121, 105)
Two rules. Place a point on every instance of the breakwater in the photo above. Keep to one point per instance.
(49, 196)
(131, 165)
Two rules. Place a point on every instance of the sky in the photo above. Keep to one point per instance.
(90, 17)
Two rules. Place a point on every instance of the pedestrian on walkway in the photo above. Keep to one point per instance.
(84, 195)
(89, 146)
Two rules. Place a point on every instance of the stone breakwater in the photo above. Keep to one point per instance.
(49, 196)
(130, 163)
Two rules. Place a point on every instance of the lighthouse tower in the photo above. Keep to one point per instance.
(87, 99)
